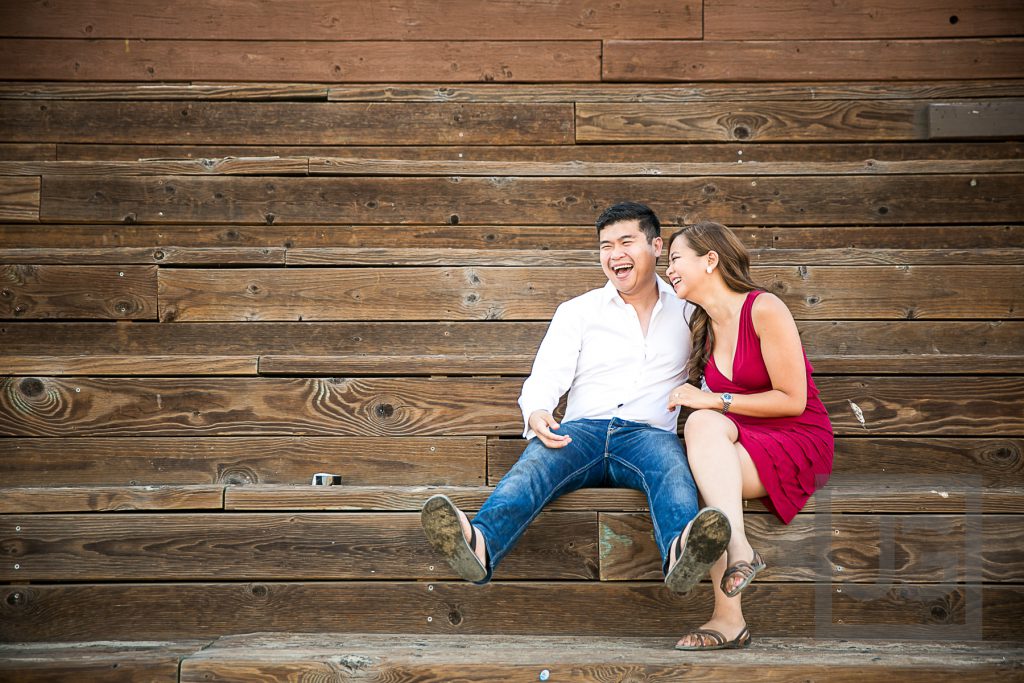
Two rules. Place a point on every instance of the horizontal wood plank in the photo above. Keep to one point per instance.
(358, 61)
(107, 292)
(800, 19)
(134, 461)
(500, 293)
(811, 60)
(86, 406)
(362, 20)
(28, 151)
(40, 612)
(224, 166)
(35, 499)
(843, 548)
(19, 199)
(112, 662)
(308, 123)
(990, 119)
(156, 546)
(937, 463)
(78, 364)
(735, 201)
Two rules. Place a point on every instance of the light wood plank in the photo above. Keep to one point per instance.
(223, 166)
(106, 292)
(19, 199)
(35, 499)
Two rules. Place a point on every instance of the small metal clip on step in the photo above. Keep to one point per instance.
(326, 479)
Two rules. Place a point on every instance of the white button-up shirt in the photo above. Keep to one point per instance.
(596, 349)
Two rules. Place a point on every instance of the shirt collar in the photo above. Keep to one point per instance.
(609, 293)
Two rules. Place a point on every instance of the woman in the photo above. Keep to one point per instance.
(761, 431)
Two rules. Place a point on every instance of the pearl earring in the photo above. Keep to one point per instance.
(709, 270)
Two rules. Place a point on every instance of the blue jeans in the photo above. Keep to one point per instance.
(612, 452)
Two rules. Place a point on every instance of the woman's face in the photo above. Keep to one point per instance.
(686, 270)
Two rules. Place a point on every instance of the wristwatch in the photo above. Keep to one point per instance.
(726, 403)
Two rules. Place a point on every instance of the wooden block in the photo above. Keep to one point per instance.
(262, 546)
(33, 499)
(40, 612)
(154, 461)
(764, 121)
(97, 292)
(802, 19)
(811, 60)
(19, 199)
(735, 201)
(995, 462)
(843, 548)
(115, 662)
(303, 60)
(470, 406)
(264, 123)
(989, 119)
(520, 658)
(501, 293)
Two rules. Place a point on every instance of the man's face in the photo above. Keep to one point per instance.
(627, 258)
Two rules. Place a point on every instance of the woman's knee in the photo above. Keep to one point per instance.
(705, 423)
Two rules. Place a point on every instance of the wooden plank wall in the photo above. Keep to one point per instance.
(243, 242)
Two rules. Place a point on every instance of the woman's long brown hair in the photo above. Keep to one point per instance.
(733, 264)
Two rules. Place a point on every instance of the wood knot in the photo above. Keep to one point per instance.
(384, 410)
(260, 591)
(16, 599)
(455, 617)
(31, 387)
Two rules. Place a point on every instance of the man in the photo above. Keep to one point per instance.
(619, 351)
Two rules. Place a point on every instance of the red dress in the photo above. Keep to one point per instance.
(793, 455)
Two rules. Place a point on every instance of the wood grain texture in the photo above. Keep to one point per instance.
(19, 199)
(740, 121)
(934, 462)
(812, 60)
(40, 612)
(185, 461)
(105, 292)
(816, 292)
(119, 662)
(735, 201)
(254, 546)
(363, 20)
(308, 123)
(49, 498)
(28, 151)
(855, 549)
(222, 166)
(800, 19)
(86, 406)
(300, 61)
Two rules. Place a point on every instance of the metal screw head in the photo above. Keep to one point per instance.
(429, 619)
(430, 588)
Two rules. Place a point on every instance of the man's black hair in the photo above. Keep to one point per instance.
(627, 211)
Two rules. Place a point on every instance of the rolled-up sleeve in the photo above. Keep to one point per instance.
(555, 364)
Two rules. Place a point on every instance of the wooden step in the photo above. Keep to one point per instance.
(109, 661)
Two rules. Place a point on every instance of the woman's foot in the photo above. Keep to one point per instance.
(717, 634)
(696, 549)
(450, 534)
(740, 573)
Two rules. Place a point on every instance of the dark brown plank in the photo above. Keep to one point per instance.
(40, 612)
(28, 151)
(313, 92)
(990, 119)
(308, 123)
(254, 546)
(19, 199)
(844, 494)
(735, 201)
(108, 292)
(983, 462)
(222, 166)
(84, 406)
(433, 658)
(811, 60)
(849, 548)
(353, 21)
(640, 154)
(126, 661)
(297, 61)
(500, 293)
(249, 256)
(161, 462)
(738, 121)
(33, 499)
(800, 19)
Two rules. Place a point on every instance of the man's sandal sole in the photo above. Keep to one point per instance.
(441, 525)
(708, 538)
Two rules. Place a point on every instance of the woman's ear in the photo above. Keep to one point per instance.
(712, 257)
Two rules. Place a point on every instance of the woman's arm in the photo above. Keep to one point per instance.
(783, 356)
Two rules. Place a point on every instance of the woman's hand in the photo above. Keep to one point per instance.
(689, 396)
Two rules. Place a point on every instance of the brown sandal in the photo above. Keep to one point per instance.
(713, 640)
(748, 570)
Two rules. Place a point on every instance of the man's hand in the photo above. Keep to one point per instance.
(542, 422)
